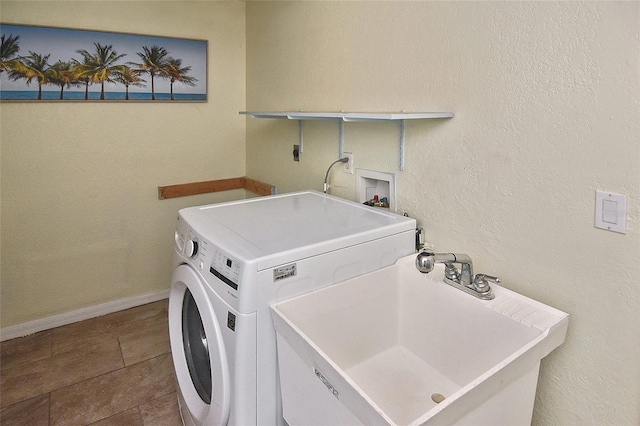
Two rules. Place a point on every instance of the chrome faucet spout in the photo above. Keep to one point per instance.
(463, 279)
(427, 260)
(466, 269)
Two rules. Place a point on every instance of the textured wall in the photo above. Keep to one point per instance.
(81, 221)
(546, 103)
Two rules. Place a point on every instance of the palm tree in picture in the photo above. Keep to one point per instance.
(33, 66)
(175, 72)
(154, 61)
(9, 48)
(129, 77)
(101, 67)
(62, 74)
(82, 74)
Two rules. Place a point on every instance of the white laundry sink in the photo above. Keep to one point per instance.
(403, 348)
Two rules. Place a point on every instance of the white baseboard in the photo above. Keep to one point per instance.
(58, 320)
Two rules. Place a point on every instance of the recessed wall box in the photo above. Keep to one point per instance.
(370, 183)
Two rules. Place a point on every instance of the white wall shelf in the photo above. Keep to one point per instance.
(342, 117)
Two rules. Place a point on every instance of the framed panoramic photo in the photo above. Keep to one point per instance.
(58, 64)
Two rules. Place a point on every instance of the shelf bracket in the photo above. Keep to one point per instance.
(401, 146)
(340, 139)
(300, 136)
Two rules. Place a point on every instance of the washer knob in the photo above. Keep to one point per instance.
(191, 249)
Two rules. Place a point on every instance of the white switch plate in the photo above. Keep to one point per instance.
(611, 211)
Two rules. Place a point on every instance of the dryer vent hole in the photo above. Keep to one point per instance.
(437, 398)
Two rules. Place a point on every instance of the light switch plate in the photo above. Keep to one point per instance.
(611, 211)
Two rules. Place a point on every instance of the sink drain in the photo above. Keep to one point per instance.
(437, 398)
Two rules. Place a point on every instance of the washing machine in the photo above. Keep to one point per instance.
(232, 260)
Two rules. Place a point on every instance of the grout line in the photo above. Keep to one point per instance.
(49, 410)
(121, 353)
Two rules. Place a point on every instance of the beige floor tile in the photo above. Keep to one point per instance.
(57, 371)
(126, 418)
(101, 397)
(91, 331)
(24, 350)
(146, 343)
(163, 411)
(32, 412)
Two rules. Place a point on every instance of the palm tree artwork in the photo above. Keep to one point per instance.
(78, 72)
(129, 77)
(9, 48)
(62, 74)
(154, 61)
(82, 78)
(101, 66)
(175, 72)
(34, 66)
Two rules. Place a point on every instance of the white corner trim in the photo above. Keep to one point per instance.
(65, 318)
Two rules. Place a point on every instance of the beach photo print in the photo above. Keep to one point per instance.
(58, 64)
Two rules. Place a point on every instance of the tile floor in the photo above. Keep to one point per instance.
(111, 370)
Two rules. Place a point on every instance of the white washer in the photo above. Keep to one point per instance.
(232, 261)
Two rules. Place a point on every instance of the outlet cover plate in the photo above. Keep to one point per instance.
(348, 166)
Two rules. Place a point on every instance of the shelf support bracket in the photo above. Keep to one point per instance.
(340, 139)
(300, 136)
(401, 146)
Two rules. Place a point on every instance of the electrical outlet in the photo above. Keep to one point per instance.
(348, 166)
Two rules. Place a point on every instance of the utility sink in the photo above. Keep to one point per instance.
(399, 347)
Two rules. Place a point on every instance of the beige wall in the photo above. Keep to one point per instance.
(546, 103)
(546, 106)
(81, 221)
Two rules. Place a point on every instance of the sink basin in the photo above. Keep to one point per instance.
(399, 347)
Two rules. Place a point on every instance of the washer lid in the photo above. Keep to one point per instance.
(284, 228)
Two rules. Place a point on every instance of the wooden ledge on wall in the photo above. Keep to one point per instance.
(195, 188)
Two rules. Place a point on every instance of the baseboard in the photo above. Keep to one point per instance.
(54, 321)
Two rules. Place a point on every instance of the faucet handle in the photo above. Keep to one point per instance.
(485, 277)
(481, 282)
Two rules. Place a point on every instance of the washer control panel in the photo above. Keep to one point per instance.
(225, 268)
(210, 259)
(222, 271)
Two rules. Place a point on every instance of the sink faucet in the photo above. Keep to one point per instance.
(463, 279)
